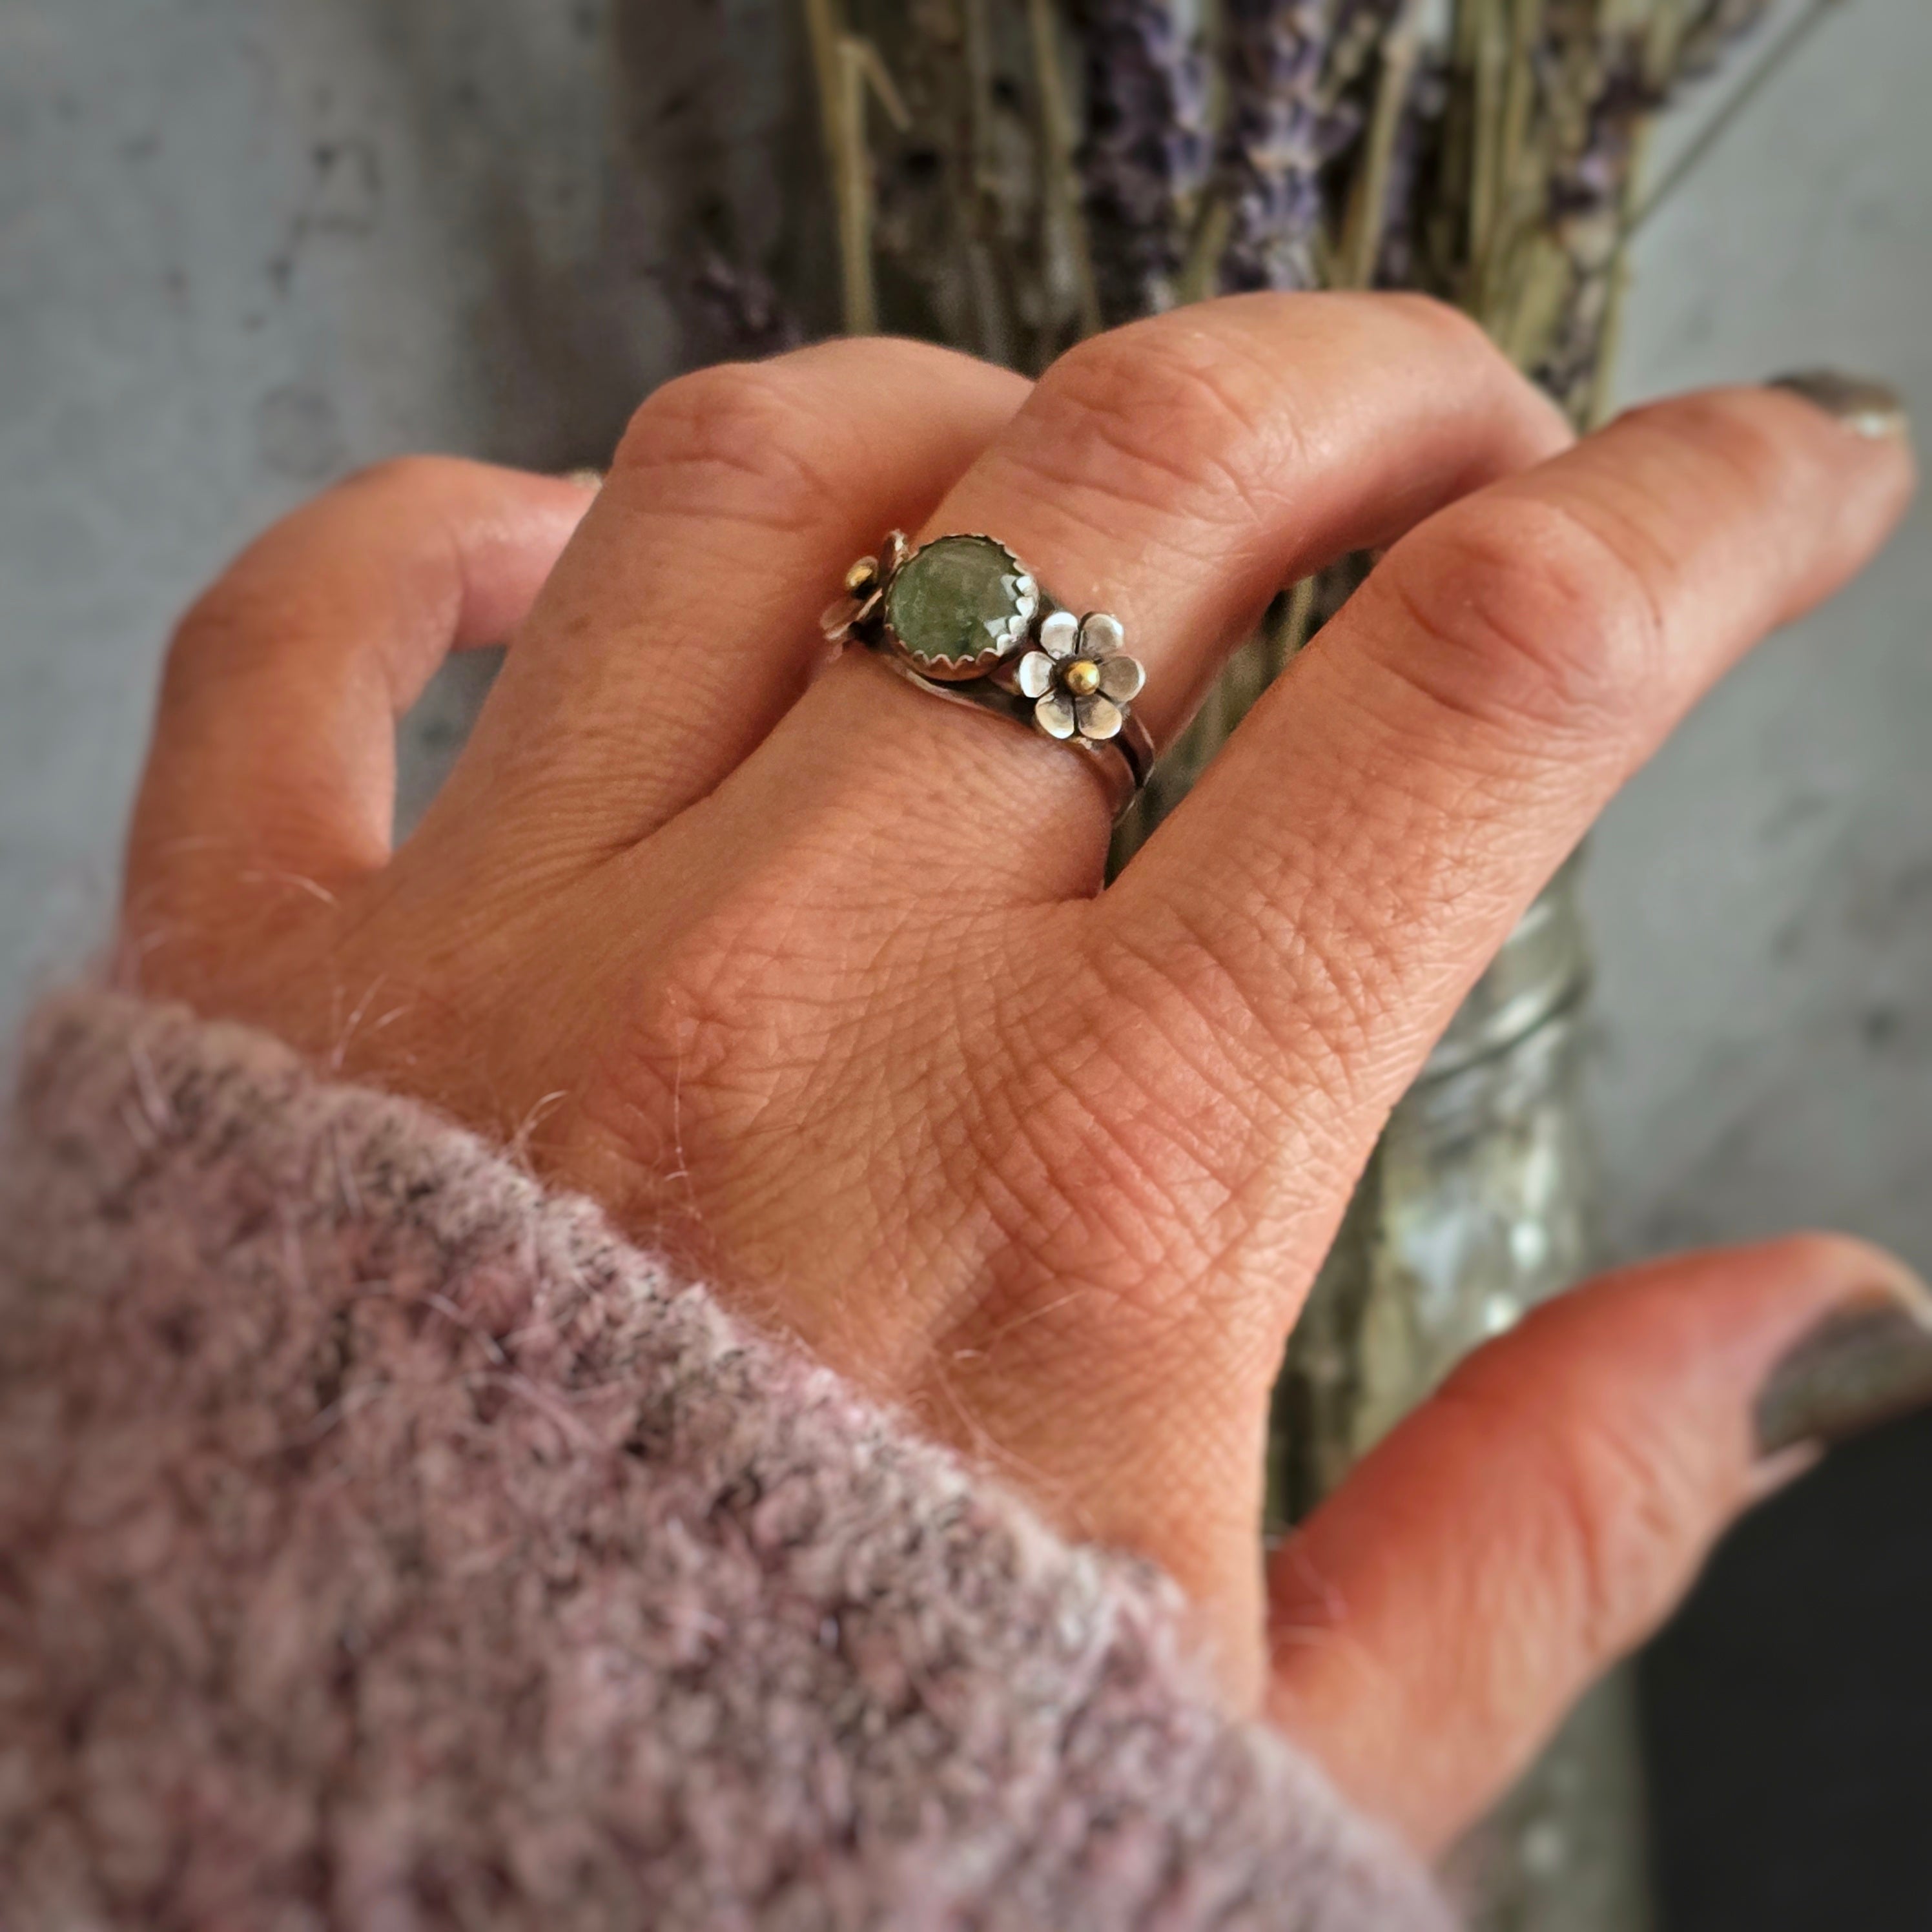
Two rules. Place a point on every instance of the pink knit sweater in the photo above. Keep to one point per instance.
(384, 1543)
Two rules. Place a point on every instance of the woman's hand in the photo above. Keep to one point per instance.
(811, 979)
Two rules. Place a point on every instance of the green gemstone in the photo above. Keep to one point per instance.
(958, 598)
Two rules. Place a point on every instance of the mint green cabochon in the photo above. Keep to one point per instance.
(958, 597)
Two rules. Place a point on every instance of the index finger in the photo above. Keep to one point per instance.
(1326, 897)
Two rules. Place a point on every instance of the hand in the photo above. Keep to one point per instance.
(812, 980)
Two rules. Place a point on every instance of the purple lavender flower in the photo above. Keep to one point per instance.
(1413, 159)
(1271, 157)
(743, 307)
(1146, 156)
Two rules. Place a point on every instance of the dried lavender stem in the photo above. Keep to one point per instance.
(1200, 271)
(1602, 388)
(841, 96)
(855, 193)
(1518, 93)
(1760, 77)
(1289, 632)
(1356, 36)
(873, 69)
(1368, 206)
(978, 40)
(989, 272)
(822, 29)
(1492, 58)
(1058, 139)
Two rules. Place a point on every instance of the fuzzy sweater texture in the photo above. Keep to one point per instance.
(386, 1543)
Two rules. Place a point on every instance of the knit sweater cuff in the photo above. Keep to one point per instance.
(388, 1544)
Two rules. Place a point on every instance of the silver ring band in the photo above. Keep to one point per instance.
(961, 618)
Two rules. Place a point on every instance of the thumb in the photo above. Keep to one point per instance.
(1542, 1513)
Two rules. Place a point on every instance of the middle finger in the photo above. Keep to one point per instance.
(1177, 473)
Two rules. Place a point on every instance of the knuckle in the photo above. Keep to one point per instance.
(741, 1005)
(1135, 414)
(1442, 322)
(1630, 1523)
(1708, 430)
(1085, 1182)
(891, 360)
(409, 476)
(1608, 1523)
(667, 1061)
(1372, 328)
(273, 597)
(224, 633)
(1824, 1255)
(1516, 611)
(737, 439)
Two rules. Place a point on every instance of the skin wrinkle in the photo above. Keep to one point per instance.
(1137, 409)
(1085, 1201)
(1255, 1096)
(1309, 1040)
(1401, 886)
(1265, 467)
(729, 418)
(1537, 690)
(715, 700)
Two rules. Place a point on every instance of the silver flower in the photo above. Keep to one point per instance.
(1080, 676)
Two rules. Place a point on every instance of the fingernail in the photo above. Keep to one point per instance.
(591, 480)
(1866, 407)
(1867, 1362)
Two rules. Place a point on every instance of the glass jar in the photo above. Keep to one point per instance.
(1479, 1203)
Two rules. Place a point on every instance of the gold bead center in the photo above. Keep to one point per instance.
(1082, 677)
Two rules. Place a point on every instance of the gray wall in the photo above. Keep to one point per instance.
(1763, 893)
(247, 245)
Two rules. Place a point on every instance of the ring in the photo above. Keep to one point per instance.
(962, 618)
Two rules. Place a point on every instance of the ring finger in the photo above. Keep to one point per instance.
(1176, 473)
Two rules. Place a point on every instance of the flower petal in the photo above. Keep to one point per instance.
(1097, 717)
(1059, 634)
(1121, 678)
(1054, 714)
(1035, 676)
(1101, 634)
(837, 621)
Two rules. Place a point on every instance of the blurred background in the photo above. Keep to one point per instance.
(247, 245)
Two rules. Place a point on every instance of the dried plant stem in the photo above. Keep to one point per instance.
(1061, 178)
(1490, 48)
(989, 278)
(872, 72)
(846, 66)
(1290, 621)
(842, 109)
(1775, 58)
(1355, 266)
(1497, 265)
(1200, 271)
